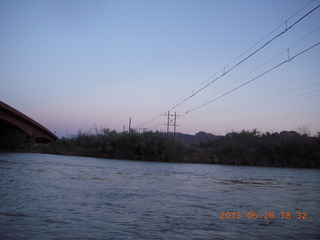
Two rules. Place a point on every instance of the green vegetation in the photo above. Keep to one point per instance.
(149, 146)
(285, 149)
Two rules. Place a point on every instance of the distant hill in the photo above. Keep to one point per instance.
(193, 139)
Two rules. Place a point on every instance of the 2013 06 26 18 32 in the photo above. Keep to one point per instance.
(303, 215)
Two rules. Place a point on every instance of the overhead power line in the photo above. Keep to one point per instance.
(243, 60)
(268, 61)
(276, 99)
(304, 112)
(246, 58)
(253, 79)
(224, 71)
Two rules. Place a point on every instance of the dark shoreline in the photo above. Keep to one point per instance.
(146, 160)
(245, 148)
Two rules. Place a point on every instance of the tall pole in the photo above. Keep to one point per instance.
(129, 124)
(168, 123)
(172, 121)
(174, 126)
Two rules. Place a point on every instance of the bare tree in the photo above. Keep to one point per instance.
(304, 130)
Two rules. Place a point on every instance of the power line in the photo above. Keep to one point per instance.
(246, 58)
(195, 92)
(268, 61)
(307, 111)
(255, 78)
(286, 115)
(262, 103)
(298, 97)
(285, 22)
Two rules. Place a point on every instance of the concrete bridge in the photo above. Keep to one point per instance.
(10, 117)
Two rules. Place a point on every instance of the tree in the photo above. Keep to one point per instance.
(304, 130)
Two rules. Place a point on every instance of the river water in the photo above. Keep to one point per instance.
(64, 197)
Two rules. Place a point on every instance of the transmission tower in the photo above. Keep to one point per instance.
(171, 121)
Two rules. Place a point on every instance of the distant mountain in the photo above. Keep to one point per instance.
(193, 139)
(205, 137)
(289, 134)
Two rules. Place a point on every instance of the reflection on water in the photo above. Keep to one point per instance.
(63, 197)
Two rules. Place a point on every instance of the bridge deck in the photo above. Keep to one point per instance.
(33, 129)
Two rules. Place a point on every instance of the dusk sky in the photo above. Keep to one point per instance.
(73, 65)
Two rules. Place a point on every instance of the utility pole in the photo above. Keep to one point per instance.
(171, 121)
(174, 126)
(168, 124)
(129, 124)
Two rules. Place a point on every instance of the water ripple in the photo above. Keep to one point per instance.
(60, 197)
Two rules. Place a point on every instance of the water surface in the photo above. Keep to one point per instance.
(63, 197)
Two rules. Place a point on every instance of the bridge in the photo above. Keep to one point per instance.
(10, 117)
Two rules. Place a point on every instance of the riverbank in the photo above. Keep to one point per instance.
(249, 148)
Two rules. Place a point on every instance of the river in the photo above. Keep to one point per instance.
(46, 196)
